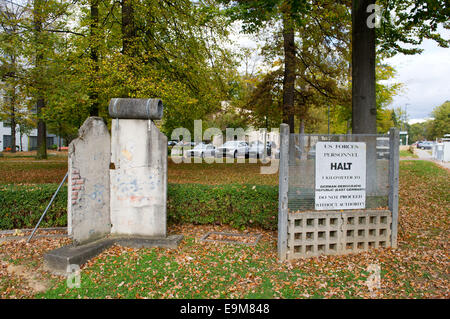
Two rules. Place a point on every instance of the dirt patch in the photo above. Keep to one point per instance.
(21, 266)
(232, 238)
(37, 285)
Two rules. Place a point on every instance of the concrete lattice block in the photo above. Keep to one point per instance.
(336, 233)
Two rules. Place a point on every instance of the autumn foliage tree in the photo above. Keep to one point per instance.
(81, 54)
(11, 70)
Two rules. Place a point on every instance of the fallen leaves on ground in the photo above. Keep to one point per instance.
(21, 266)
(418, 268)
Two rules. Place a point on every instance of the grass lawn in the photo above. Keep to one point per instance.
(407, 153)
(418, 268)
(23, 168)
(27, 170)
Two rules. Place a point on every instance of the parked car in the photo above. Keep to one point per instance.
(201, 150)
(276, 153)
(233, 149)
(181, 147)
(425, 145)
(311, 153)
(428, 145)
(172, 143)
(256, 149)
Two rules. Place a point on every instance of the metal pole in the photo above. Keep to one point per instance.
(394, 182)
(48, 206)
(283, 192)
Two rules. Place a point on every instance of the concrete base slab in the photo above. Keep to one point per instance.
(170, 242)
(254, 237)
(57, 260)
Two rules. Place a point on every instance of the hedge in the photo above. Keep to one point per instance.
(21, 206)
(232, 204)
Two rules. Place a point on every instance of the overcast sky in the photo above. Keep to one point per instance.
(426, 79)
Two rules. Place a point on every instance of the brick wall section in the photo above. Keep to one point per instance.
(77, 185)
(337, 233)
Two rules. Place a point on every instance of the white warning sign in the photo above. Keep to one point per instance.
(340, 175)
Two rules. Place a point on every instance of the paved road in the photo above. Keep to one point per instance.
(425, 155)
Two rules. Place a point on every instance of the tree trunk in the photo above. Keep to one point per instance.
(12, 116)
(42, 132)
(128, 41)
(289, 69)
(40, 103)
(364, 109)
(59, 137)
(13, 134)
(20, 136)
(13, 120)
(128, 28)
(93, 94)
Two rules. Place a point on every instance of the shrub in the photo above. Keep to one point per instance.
(21, 206)
(237, 205)
(232, 204)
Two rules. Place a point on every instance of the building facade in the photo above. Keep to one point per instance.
(28, 142)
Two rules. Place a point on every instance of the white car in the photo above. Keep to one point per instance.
(201, 150)
(257, 150)
(233, 149)
(180, 148)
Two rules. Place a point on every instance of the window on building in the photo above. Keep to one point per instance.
(32, 142)
(6, 141)
(50, 141)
